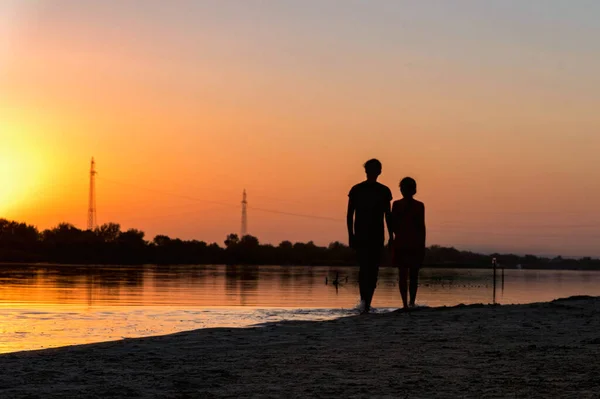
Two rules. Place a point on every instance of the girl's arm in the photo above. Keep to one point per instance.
(423, 230)
(389, 221)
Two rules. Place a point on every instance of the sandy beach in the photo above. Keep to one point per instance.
(537, 350)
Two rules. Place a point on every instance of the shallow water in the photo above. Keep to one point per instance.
(49, 306)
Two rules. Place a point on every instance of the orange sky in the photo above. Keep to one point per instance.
(492, 108)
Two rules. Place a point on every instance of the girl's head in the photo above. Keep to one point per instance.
(408, 187)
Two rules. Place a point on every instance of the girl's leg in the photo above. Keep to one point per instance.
(403, 274)
(414, 284)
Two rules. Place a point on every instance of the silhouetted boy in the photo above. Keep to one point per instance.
(368, 204)
(408, 216)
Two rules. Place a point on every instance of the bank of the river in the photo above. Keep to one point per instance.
(536, 350)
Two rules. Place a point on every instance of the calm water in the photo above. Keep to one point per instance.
(49, 306)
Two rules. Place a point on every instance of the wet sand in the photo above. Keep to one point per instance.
(538, 350)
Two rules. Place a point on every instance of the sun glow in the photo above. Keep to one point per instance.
(21, 174)
(12, 184)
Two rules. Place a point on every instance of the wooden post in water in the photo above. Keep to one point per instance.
(494, 264)
(502, 266)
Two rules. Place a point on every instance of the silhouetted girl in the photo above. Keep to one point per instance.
(408, 216)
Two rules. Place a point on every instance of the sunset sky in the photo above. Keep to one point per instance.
(492, 106)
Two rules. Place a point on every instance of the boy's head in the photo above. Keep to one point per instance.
(373, 168)
(408, 187)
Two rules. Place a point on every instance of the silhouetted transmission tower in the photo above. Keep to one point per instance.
(244, 215)
(91, 222)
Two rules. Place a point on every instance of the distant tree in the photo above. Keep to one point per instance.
(161, 240)
(286, 245)
(231, 240)
(19, 241)
(108, 232)
(16, 235)
(63, 233)
(132, 237)
(65, 243)
(336, 246)
(530, 260)
(248, 241)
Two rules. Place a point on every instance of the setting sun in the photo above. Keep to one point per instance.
(21, 174)
(13, 182)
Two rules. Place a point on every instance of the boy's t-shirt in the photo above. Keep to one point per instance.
(371, 200)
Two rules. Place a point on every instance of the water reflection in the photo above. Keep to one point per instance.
(270, 286)
(48, 305)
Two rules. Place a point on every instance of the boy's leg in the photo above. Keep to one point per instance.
(362, 274)
(373, 272)
(374, 261)
(414, 284)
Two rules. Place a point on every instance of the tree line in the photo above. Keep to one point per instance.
(108, 244)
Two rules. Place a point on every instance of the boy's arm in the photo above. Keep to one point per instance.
(350, 222)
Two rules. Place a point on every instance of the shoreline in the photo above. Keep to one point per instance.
(166, 265)
(547, 349)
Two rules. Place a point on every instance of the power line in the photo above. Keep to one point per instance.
(459, 224)
(297, 214)
(460, 229)
(509, 234)
(273, 211)
(186, 197)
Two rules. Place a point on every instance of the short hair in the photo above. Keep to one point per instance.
(373, 167)
(408, 186)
